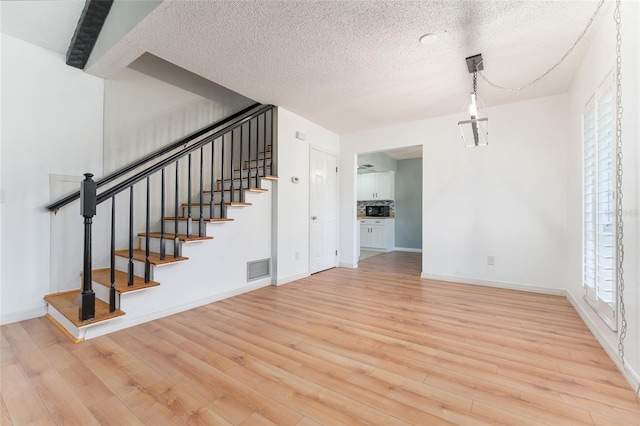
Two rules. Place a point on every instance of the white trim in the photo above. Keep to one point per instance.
(508, 286)
(632, 377)
(287, 280)
(336, 209)
(410, 250)
(353, 265)
(27, 314)
(127, 320)
(326, 151)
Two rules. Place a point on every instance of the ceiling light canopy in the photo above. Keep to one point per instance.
(474, 124)
(429, 38)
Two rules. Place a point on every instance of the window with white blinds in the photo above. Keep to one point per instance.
(599, 227)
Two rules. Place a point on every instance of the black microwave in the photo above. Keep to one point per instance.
(377, 211)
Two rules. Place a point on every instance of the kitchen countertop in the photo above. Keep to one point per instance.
(361, 216)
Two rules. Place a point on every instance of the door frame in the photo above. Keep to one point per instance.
(337, 197)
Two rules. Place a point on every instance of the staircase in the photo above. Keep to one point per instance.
(206, 210)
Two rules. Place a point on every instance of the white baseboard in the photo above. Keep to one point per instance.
(627, 371)
(127, 321)
(410, 250)
(348, 265)
(287, 280)
(508, 286)
(27, 314)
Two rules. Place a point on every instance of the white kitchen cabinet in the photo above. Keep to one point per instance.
(377, 234)
(376, 186)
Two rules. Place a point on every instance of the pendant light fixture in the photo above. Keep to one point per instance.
(473, 126)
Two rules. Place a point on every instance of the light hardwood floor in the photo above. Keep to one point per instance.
(376, 345)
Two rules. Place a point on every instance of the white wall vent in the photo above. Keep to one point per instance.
(258, 269)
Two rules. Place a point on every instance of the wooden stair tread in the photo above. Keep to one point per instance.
(247, 168)
(67, 304)
(103, 277)
(154, 258)
(171, 236)
(269, 177)
(214, 220)
(217, 191)
(233, 204)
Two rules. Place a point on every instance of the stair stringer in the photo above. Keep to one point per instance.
(216, 269)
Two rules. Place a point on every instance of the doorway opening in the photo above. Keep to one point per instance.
(389, 202)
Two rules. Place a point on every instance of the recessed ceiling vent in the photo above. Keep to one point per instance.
(258, 269)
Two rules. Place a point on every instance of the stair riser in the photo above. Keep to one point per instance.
(102, 293)
(195, 211)
(236, 183)
(122, 264)
(182, 227)
(154, 245)
(253, 164)
(195, 215)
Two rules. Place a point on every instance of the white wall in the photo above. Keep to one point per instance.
(143, 114)
(506, 200)
(598, 61)
(292, 215)
(51, 124)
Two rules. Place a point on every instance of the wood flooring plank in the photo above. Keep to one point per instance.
(21, 398)
(257, 420)
(373, 345)
(199, 387)
(175, 399)
(113, 412)
(134, 396)
(256, 401)
(5, 417)
(63, 404)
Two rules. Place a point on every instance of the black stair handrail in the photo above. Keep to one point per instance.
(89, 197)
(54, 207)
(115, 190)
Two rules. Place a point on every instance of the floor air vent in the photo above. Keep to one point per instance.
(258, 269)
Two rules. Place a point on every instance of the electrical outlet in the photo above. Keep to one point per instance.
(491, 260)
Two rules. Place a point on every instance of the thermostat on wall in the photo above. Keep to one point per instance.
(301, 136)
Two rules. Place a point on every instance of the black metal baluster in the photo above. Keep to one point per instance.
(222, 212)
(213, 182)
(176, 239)
(257, 151)
(232, 171)
(112, 272)
(201, 220)
(147, 230)
(264, 147)
(130, 266)
(88, 203)
(249, 157)
(163, 248)
(189, 196)
(241, 166)
(271, 144)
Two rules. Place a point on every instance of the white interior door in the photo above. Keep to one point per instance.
(323, 199)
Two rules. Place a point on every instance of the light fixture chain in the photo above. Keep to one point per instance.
(619, 222)
(475, 82)
(550, 70)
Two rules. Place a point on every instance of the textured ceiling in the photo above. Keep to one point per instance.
(355, 65)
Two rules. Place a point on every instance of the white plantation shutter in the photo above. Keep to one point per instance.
(599, 274)
(589, 219)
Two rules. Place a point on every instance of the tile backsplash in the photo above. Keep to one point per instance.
(363, 204)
